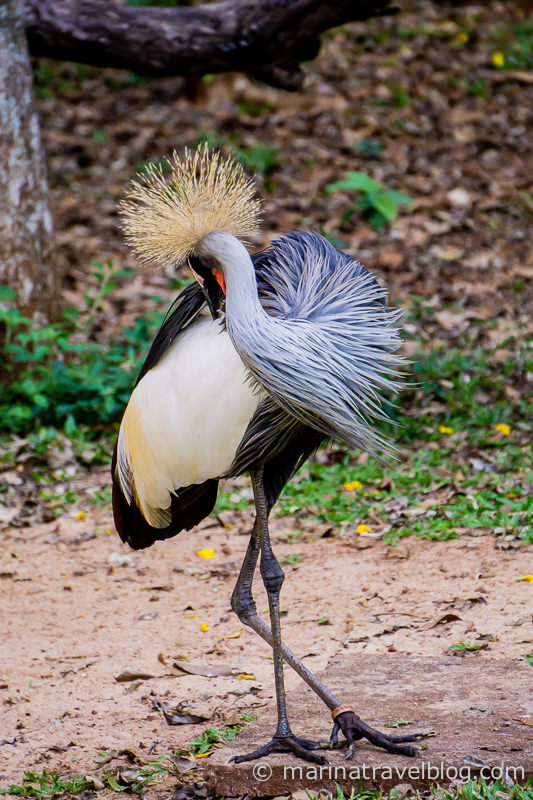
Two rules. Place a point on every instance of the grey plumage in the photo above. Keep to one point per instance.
(318, 340)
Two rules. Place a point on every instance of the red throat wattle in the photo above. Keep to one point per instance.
(220, 279)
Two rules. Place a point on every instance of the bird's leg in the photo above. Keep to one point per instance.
(347, 721)
(283, 740)
(243, 605)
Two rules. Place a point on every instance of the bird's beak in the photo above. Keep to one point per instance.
(213, 294)
(197, 277)
(212, 282)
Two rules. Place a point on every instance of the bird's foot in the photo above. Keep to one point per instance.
(302, 748)
(354, 728)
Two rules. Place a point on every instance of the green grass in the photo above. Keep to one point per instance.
(480, 502)
(63, 389)
(291, 559)
(474, 478)
(399, 723)
(141, 779)
(479, 789)
(484, 790)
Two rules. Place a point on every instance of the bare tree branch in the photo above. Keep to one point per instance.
(266, 38)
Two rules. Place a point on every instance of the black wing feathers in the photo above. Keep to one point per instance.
(188, 507)
(193, 503)
(187, 305)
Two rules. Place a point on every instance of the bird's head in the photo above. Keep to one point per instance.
(178, 213)
(208, 272)
(215, 261)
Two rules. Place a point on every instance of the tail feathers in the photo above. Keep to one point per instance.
(188, 507)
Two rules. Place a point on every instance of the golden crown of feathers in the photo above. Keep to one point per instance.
(167, 211)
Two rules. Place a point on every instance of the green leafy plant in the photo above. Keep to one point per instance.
(292, 559)
(399, 95)
(515, 44)
(138, 781)
(370, 147)
(49, 784)
(464, 647)
(57, 375)
(212, 737)
(481, 789)
(258, 158)
(377, 202)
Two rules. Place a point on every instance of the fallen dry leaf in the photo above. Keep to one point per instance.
(132, 675)
(448, 617)
(178, 716)
(207, 671)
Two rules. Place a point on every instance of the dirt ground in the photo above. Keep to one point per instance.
(79, 609)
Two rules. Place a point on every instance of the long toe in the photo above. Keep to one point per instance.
(259, 753)
(354, 729)
(412, 737)
(394, 744)
(301, 748)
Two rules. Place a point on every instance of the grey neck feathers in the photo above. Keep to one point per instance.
(243, 308)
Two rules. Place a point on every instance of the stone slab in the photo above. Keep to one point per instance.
(480, 710)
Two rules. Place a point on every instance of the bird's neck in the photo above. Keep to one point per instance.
(243, 309)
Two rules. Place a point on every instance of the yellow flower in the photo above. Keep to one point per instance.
(205, 628)
(80, 515)
(363, 529)
(245, 676)
(498, 60)
(502, 428)
(350, 487)
(204, 755)
(527, 578)
(207, 552)
(462, 37)
(445, 429)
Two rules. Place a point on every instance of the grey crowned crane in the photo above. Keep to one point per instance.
(261, 361)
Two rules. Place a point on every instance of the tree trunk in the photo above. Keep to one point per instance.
(265, 38)
(25, 222)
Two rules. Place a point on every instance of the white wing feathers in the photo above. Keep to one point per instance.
(185, 419)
